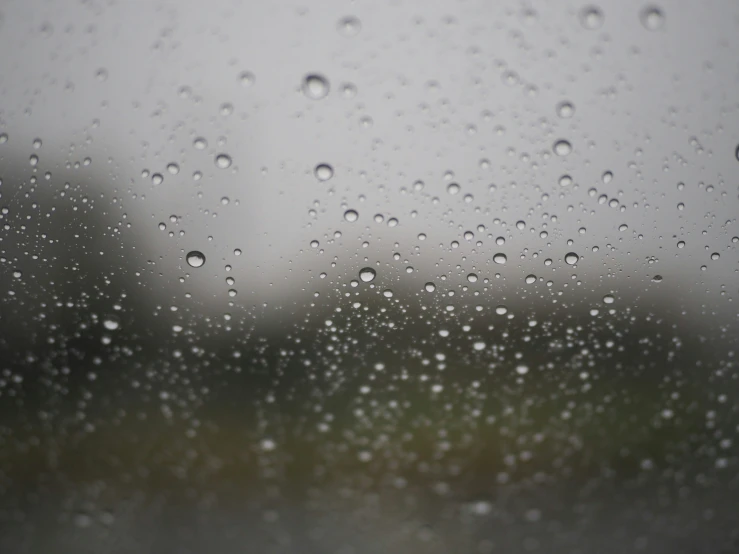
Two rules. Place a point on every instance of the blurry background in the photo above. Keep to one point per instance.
(542, 358)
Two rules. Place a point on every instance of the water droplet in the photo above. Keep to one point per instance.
(367, 275)
(522, 369)
(200, 143)
(247, 78)
(530, 279)
(173, 168)
(562, 148)
(472, 278)
(565, 181)
(652, 18)
(452, 188)
(500, 258)
(657, 278)
(315, 86)
(430, 287)
(4, 139)
(571, 258)
(479, 345)
(351, 216)
(591, 17)
(349, 26)
(715, 256)
(681, 244)
(501, 310)
(608, 299)
(195, 258)
(223, 161)
(607, 177)
(157, 179)
(323, 172)
(387, 293)
(565, 110)
(111, 323)
(520, 225)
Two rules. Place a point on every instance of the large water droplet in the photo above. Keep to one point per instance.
(571, 258)
(223, 161)
(195, 258)
(500, 258)
(367, 274)
(315, 86)
(111, 323)
(472, 278)
(530, 279)
(323, 172)
(608, 299)
(562, 148)
(430, 287)
(452, 188)
(351, 216)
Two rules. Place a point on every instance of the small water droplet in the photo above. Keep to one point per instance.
(173, 168)
(223, 161)
(195, 258)
(565, 109)
(367, 274)
(387, 293)
(522, 369)
(607, 177)
(715, 256)
(349, 26)
(315, 86)
(157, 179)
(530, 279)
(323, 172)
(430, 287)
(657, 278)
(565, 181)
(4, 139)
(200, 143)
(501, 310)
(500, 258)
(652, 18)
(520, 225)
(608, 299)
(472, 278)
(247, 78)
(452, 188)
(351, 216)
(479, 345)
(591, 17)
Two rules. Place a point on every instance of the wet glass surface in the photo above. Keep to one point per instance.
(369, 277)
